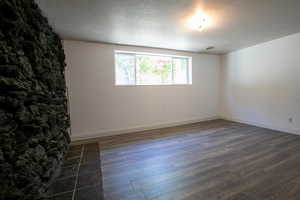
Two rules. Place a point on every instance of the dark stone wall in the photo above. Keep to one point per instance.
(33, 103)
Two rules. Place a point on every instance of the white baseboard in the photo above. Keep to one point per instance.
(262, 125)
(98, 134)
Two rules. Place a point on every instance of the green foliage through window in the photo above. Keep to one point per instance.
(144, 69)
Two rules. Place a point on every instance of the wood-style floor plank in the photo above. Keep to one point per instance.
(209, 160)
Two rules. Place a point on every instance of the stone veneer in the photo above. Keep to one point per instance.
(33, 105)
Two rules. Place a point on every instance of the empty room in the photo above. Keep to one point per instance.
(149, 100)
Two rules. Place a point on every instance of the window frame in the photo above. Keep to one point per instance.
(188, 74)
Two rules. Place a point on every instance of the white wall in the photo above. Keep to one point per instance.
(99, 108)
(260, 85)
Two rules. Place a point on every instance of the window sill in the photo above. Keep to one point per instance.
(188, 84)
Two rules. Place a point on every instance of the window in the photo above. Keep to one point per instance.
(152, 69)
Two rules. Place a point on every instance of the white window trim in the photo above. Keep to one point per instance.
(189, 68)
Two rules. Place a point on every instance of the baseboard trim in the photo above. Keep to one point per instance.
(262, 125)
(99, 134)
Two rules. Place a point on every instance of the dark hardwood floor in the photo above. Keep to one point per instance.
(211, 160)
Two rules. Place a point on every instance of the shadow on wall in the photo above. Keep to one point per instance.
(33, 105)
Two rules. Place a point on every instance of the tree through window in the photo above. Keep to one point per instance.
(151, 69)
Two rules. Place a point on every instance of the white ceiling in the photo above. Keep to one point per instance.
(162, 23)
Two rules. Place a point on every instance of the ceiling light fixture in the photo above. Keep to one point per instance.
(199, 22)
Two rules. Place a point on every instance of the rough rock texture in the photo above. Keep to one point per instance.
(33, 103)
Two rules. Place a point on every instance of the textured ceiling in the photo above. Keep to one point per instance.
(162, 23)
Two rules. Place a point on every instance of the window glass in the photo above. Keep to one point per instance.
(125, 69)
(180, 70)
(151, 69)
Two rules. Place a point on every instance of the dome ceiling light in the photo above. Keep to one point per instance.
(199, 22)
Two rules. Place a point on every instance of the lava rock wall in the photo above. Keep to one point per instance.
(33, 105)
